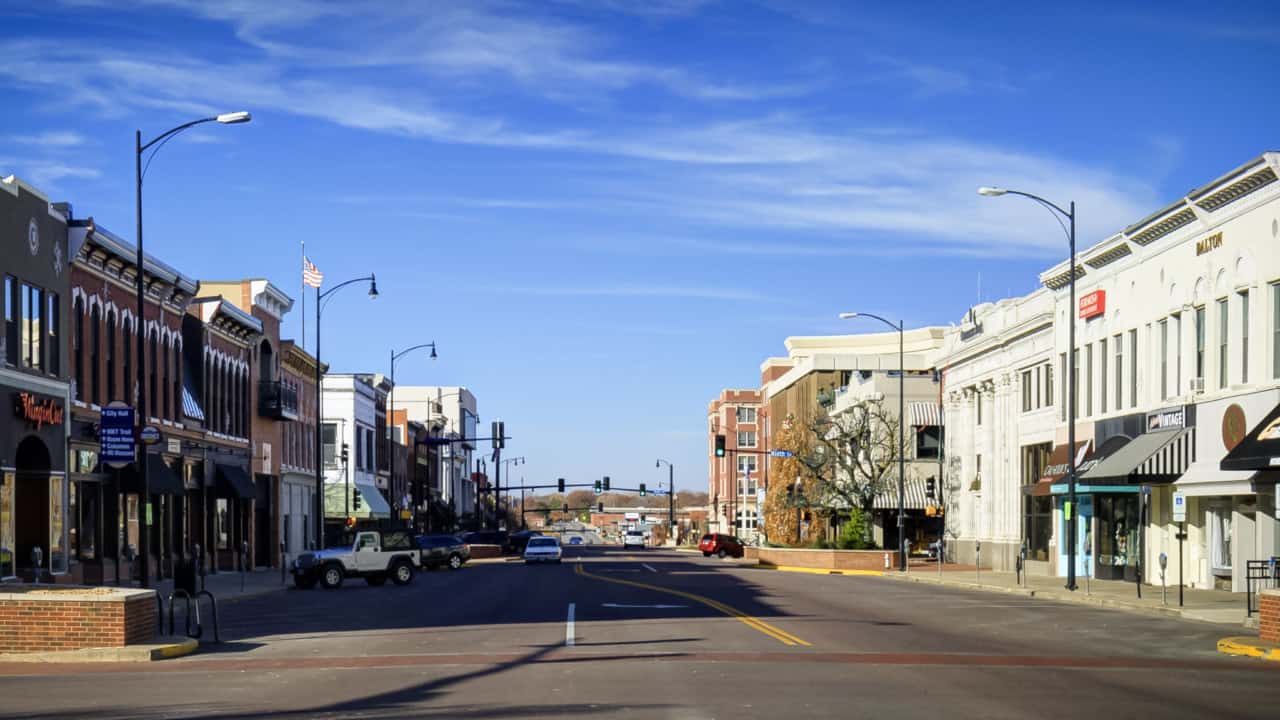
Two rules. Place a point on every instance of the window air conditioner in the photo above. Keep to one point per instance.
(1197, 386)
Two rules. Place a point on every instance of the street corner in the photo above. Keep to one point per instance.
(163, 648)
(1246, 646)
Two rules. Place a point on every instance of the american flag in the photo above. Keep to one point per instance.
(311, 275)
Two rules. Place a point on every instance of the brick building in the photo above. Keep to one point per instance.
(734, 480)
(298, 451)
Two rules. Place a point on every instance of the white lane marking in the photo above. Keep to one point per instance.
(654, 607)
(646, 566)
(568, 628)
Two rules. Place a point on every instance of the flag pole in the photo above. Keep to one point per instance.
(304, 295)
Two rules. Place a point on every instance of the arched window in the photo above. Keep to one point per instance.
(175, 379)
(166, 405)
(79, 349)
(126, 348)
(95, 355)
(153, 405)
(111, 358)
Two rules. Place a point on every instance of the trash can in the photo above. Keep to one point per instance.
(184, 576)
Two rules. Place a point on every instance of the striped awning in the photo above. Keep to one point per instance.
(924, 414)
(1156, 456)
(191, 406)
(913, 495)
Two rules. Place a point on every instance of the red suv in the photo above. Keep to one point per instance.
(720, 545)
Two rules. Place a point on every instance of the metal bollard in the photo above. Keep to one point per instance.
(284, 564)
(977, 565)
(244, 562)
(1088, 571)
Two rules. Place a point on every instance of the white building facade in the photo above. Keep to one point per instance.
(999, 409)
(349, 420)
(1178, 360)
(450, 413)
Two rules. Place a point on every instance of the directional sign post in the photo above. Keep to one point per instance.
(115, 435)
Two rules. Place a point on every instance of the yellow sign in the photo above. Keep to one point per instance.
(1213, 242)
(406, 515)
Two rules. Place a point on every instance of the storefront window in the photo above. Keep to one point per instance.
(7, 540)
(1117, 517)
(73, 520)
(1219, 519)
(57, 523)
(87, 539)
(131, 536)
(221, 528)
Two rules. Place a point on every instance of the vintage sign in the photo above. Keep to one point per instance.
(1170, 418)
(1210, 243)
(37, 410)
(1093, 304)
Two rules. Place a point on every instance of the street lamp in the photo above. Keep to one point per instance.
(391, 412)
(671, 494)
(497, 499)
(233, 118)
(1070, 229)
(902, 421)
(320, 296)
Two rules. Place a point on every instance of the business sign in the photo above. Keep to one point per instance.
(115, 435)
(1209, 244)
(1093, 304)
(1164, 419)
(1233, 427)
(1179, 507)
(37, 410)
(149, 435)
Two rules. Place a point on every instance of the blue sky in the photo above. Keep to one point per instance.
(606, 211)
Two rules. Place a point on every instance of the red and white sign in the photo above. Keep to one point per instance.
(1093, 304)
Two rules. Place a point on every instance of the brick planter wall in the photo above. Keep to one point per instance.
(1269, 615)
(37, 619)
(479, 552)
(823, 559)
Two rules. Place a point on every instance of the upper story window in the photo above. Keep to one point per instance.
(746, 415)
(1275, 330)
(1223, 318)
(329, 444)
(11, 304)
(32, 329)
(747, 438)
(929, 441)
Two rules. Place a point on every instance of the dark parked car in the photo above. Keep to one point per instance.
(488, 537)
(720, 545)
(520, 540)
(443, 551)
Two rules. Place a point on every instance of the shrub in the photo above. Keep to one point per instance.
(853, 533)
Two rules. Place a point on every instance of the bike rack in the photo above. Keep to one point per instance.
(175, 594)
(213, 606)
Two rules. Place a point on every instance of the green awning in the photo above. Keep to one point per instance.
(339, 502)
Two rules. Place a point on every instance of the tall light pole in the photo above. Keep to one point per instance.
(671, 494)
(320, 296)
(497, 501)
(391, 415)
(902, 445)
(234, 118)
(1070, 229)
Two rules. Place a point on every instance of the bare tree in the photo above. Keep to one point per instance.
(855, 456)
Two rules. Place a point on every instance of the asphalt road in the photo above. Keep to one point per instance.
(665, 635)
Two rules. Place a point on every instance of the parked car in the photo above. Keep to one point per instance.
(443, 551)
(633, 538)
(575, 540)
(542, 549)
(371, 555)
(518, 540)
(488, 537)
(720, 545)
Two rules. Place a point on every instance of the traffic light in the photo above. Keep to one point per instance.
(606, 483)
(498, 431)
(565, 509)
(600, 507)
(350, 522)
(346, 453)
(930, 488)
(596, 487)
(560, 485)
(357, 500)
(719, 446)
(642, 491)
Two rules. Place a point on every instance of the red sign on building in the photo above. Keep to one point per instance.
(1093, 304)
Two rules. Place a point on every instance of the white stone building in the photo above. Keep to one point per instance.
(999, 403)
(349, 417)
(451, 413)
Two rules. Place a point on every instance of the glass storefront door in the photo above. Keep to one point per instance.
(1118, 537)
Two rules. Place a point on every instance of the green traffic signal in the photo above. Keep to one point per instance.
(642, 491)
(719, 446)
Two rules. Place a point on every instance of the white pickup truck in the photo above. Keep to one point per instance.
(371, 555)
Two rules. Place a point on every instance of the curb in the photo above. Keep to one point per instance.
(818, 571)
(161, 649)
(1249, 647)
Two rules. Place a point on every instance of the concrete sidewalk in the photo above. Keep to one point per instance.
(1205, 605)
(227, 586)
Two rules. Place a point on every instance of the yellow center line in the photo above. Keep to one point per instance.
(754, 623)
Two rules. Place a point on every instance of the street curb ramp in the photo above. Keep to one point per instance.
(161, 649)
(1250, 647)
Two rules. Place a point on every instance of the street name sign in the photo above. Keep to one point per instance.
(780, 453)
(115, 436)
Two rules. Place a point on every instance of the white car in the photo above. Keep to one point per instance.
(542, 549)
(633, 538)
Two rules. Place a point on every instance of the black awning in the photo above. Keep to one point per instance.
(1260, 449)
(233, 480)
(161, 479)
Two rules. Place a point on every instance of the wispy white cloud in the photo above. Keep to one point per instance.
(46, 174)
(638, 291)
(50, 139)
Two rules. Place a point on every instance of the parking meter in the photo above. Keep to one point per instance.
(1164, 587)
(977, 551)
(37, 560)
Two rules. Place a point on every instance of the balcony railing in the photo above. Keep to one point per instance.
(277, 400)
